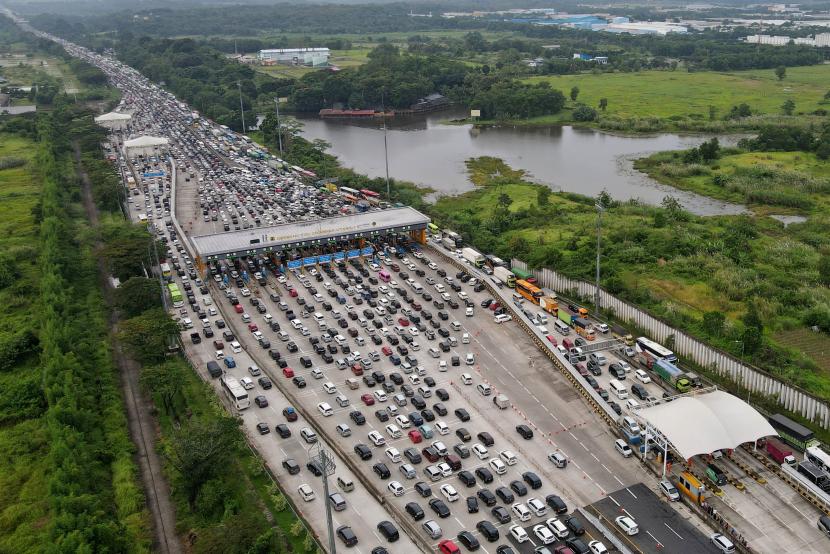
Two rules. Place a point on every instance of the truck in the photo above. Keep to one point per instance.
(578, 310)
(564, 316)
(780, 453)
(505, 276)
(448, 243)
(549, 304)
(473, 256)
(631, 438)
(583, 327)
(671, 374)
(694, 379)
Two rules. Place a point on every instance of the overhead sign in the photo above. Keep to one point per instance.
(294, 264)
(154, 174)
(324, 258)
(353, 254)
(367, 251)
(310, 260)
(338, 256)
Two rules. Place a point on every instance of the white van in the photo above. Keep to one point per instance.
(560, 326)
(484, 389)
(418, 288)
(618, 389)
(598, 358)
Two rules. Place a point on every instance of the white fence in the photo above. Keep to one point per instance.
(751, 378)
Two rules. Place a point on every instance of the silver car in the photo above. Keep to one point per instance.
(432, 529)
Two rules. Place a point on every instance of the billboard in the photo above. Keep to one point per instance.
(310, 260)
(294, 264)
(324, 258)
(338, 256)
(353, 254)
(368, 251)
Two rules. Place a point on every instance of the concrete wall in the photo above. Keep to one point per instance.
(753, 379)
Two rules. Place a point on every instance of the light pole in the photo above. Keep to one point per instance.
(241, 107)
(385, 146)
(279, 127)
(323, 458)
(748, 391)
(600, 209)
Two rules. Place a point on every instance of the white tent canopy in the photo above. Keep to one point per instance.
(707, 422)
(145, 145)
(113, 120)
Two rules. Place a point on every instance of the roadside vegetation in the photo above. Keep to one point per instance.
(734, 281)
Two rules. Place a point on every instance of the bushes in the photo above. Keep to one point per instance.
(9, 162)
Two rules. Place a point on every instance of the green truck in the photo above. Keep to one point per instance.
(672, 374)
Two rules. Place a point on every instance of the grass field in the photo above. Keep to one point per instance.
(340, 58)
(24, 461)
(673, 93)
(814, 345)
(21, 71)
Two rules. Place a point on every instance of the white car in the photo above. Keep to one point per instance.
(480, 451)
(414, 331)
(325, 409)
(442, 428)
(622, 447)
(470, 359)
(498, 466)
(247, 383)
(559, 529)
(376, 438)
(537, 507)
(305, 492)
(642, 376)
(722, 543)
(344, 430)
(393, 431)
(625, 366)
(544, 534)
(442, 365)
(628, 525)
(403, 421)
(469, 312)
(395, 488)
(521, 511)
(508, 457)
(329, 387)
(597, 547)
(449, 492)
(503, 318)
(236, 347)
(519, 534)
(465, 338)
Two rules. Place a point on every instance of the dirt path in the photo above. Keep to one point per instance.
(139, 409)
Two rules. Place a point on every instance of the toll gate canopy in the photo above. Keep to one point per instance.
(309, 234)
(704, 423)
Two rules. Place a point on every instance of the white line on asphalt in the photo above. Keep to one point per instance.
(660, 544)
(606, 468)
(614, 500)
(594, 456)
(631, 493)
(582, 444)
(673, 531)
(618, 481)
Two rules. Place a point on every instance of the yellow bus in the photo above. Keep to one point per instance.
(531, 292)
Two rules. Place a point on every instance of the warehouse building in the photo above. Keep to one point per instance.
(312, 57)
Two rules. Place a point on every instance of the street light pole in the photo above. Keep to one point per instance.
(241, 107)
(385, 146)
(279, 127)
(600, 209)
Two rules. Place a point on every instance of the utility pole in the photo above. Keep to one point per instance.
(279, 126)
(600, 209)
(241, 108)
(327, 465)
(385, 147)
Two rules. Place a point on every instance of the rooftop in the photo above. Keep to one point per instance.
(308, 233)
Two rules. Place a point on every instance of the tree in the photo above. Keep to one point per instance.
(574, 93)
(788, 107)
(604, 199)
(780, 72)
(673, 207)
(713, 323)
(584, 113)
(709, 150)
(504, 200)
(824, 269)
(138, 294)
(166, 381)
(603, 103)
(146, 336)
(542, 196)
(198, 450)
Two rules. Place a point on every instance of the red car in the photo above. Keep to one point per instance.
(416, 306)
(494, 306)
(357, 369)
(239, 309)
(551, 340)
(368, 399)
(446, 546)
(403, 321)
(252, 327)
(290, 413)
(288, 372)
(386, 351)
(292, 293)
(415, 436)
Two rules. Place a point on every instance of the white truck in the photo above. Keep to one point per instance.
(505, 276)
(473, 256)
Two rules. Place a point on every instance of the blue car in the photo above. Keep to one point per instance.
(229, 362)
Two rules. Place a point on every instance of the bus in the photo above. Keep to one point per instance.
(815, 475)
(236, 394)
(433, 229)
(691, 486)
(353, 192)
(648, 351)
(165, 271)
(370, 194)
(529, 291)
(175, 295)
(524, 275)
(818, 456)
(794, 434)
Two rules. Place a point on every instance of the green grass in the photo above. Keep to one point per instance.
(679, 93)
(23, 71)
(24, 438)
(815, 345)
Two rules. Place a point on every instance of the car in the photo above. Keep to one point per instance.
(532, 480)
(486, 438)
(449, 492)
(299, 381)
(596, 547)
(344, 430)
(388, 530)
(537, 507)
(544, 534)
(622, 447)
(265, 382)
(488, 530)
(669, 490)
(414, 510)
(290, 413)
(381, 470)
(345, 533)
(505, 495)
(722, 543)
(283, 431)
(306, 492)
(291, 466)
(437, 505)
(556, 504)
(575, 525)
(501, 514)
(395, 488)
(433, 530)
(261, 401)
(468, 540)
(263, 428)
(484, 474)
(357, 417)
(627, 524)
(642, 376)
(423, 489)
(521, 511)
(525, 431)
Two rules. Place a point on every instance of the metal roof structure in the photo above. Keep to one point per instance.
(305, 234)
(145, 145)
(113, 120)
(703, 423)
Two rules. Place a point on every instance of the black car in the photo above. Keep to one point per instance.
(484, 474)
(486, 496)
(467, 478)
(639, 391)
(423, 489)
(472, 505)
(381, 470)
(578, 546)
(416, 419)
(532, 480)
(442, 395)
(263, 428)
(468, 540)
(357, 417)
(283, 430)
(525, 431)
(486, 439)
(315, 468)
(265, 382)
(617, 371)
(439, 507)
(261, 401)
(575, 526)
(382, 415)
(556, 504)
(488, 531)
(415, 510)
(388, 530)
(501, 514)
(504, 549)
(462, 450)
(505, 495)
(363, 451)
(462, 414)
(347, 535)
(616, 407)
(413, 455)
(439, 409)
(518, 487)
(418, 402)
(299, 381)
(291, 466)
(427, 414)
(463, 434)
(594, 368)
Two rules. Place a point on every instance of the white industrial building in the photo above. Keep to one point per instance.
(821, 40)
(642, 28)
(313, 57)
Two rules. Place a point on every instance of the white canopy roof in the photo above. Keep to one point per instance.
(707, 422)
(145, 141)
(113, 116)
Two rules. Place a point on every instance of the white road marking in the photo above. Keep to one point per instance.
(660, 544)
(673, 531)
